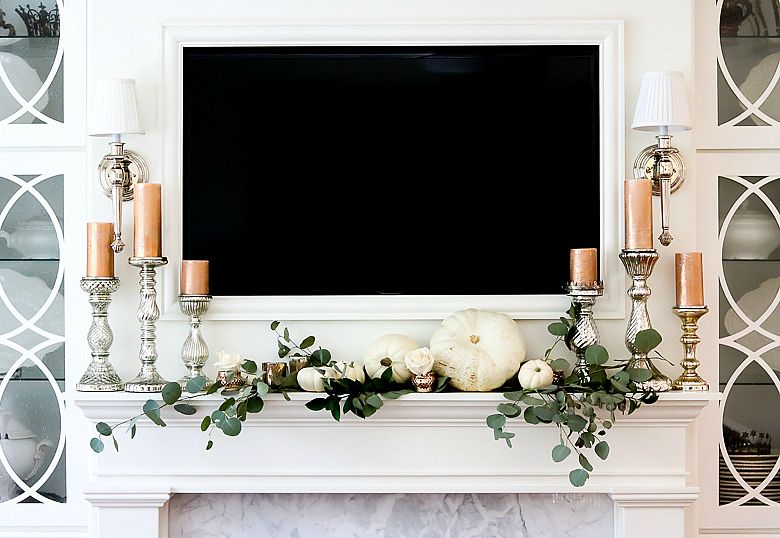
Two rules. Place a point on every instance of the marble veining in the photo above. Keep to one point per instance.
(454, 515)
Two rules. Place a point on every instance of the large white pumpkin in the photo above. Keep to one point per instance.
(477, 350)
(389, 351)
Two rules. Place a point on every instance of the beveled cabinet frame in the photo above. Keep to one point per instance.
(606, 34)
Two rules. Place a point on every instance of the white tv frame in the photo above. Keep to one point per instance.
(607, 34)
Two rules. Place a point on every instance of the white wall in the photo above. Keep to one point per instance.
(130, 45)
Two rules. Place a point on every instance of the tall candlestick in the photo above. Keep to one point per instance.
(100, 256)
(194, 277)
(639, 214)
(689, 281)
(147, 242)
(583, 266)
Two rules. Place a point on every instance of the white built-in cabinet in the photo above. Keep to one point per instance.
(738, 185)
(42, 169)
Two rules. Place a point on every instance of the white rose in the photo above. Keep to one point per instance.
(228, 361)
(535, 374)
(420, 361)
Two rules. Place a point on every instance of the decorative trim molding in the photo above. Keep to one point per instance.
(607, 34)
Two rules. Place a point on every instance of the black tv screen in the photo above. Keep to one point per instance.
(390, 170)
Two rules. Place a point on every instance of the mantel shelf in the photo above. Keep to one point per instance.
(411, 409)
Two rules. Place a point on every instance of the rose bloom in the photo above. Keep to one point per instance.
(420, 361)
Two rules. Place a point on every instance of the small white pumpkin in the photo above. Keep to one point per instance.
(389, 351)
(310, 380)
(477, 350)
(535, 374)
(351, 370)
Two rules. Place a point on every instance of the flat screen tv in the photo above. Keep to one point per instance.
(420, 170)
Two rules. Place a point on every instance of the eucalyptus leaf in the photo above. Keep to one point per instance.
(596, 355)
(529, 416)
(274, 325)
(262, 388)
(287, 334)
(171, 392)
(647, 340)
(254, 404)
(543, 413)
(585, 463)
(639, 375)
(578, 477)
(249, 366)
(152, 410)
(375, 401)
(515, 395)
(602, 449)
(133, 430)
(317, 404)
(307, 342)
(560, 364)
(509, 410)
(496, 421)
(560, 453)
(320, 357)
(214, 387)
(227, 404)
(116, 445)
(576, 423)
(205, 423)
(196, 384)
(231, 426)
(558, 329)
(283, 351)
(622, 376)
(96, 445)
(103, 428)
(185, 409)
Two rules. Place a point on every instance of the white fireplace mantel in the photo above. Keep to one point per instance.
(434, 443)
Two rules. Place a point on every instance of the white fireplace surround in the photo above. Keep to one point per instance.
(606, 34)
(420, 443)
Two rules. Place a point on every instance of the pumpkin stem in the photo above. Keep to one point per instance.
(387, 361)
(537, 369)
(474, 339)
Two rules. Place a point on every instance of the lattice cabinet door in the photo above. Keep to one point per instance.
(37, 199)
(739, 223)
(738, 80)
(42, 66)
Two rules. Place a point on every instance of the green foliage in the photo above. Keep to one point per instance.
(647, 340)
(171, 392)
(96, 445)
(577, 408)
(196, 384)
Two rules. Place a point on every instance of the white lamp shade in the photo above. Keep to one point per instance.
(662, 103)
(115, 108)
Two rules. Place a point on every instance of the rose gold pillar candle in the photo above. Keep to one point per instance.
(639, 213)
(147, 242)
(100, 256)
(689, 280)
(194, 277)
(583, 265)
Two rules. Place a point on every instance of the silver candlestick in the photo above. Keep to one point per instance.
(639, 265)
(194, 351)
(585, 332)
(148, 380)
(100, 375)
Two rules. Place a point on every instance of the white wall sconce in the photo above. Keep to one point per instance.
(115, 113)
(662, 107)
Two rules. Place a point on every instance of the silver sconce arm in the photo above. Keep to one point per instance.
(118, 172)
(662, 164)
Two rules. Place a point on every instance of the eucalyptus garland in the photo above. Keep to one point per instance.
(571, 405)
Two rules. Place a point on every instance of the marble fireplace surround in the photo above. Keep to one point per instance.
(433, 443)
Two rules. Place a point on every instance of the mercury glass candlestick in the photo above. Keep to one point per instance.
(194, 351)
(585, 332)
(690, 379)
(148, 380)
(100, 375)
(639, 264)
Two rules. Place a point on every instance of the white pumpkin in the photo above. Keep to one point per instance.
(310, 379)
(535, 374)
(351, 370)
(389, 351)
(477, 350)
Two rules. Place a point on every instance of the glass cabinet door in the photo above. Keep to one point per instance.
(41, 73)
(749, 340)
(32, 338)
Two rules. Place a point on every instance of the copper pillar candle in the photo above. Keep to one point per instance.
(583, 266)
(638, 195)
(147, 226)
(689, 280)
(194, 277)
(100, 256)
